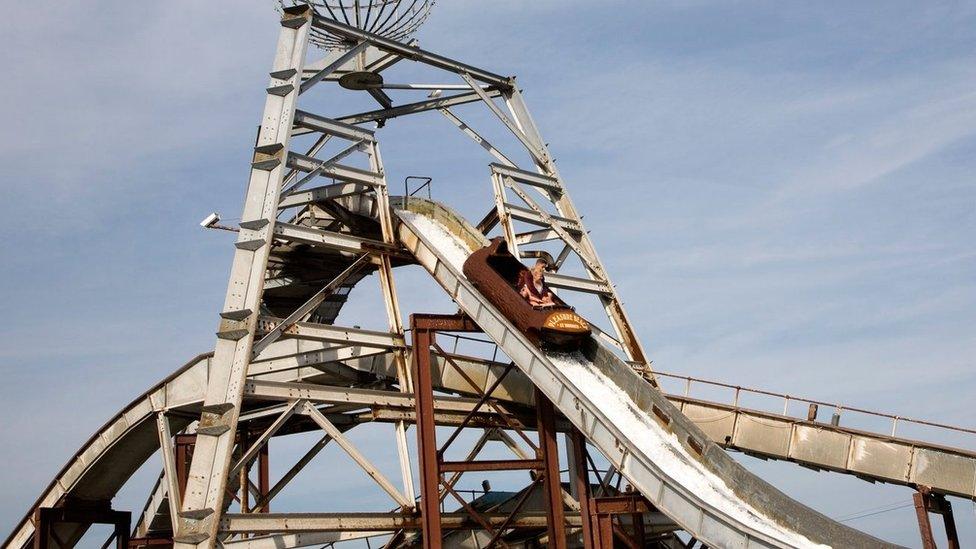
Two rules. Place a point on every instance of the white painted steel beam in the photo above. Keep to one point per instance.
(330, 333)
(321, 194)
(520, 213)
(340, 172)
(356, 455)
(330, 239)
(417, 107)
(207, 479)
(329, 126)
(408, 52)
(357, 522)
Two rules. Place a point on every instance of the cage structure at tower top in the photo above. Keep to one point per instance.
(393, 19)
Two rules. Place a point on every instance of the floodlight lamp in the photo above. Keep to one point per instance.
(210, 220)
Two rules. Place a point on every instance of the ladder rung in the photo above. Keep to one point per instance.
(293, 22)
(190, 538)
(266, 165)
(219, 409)
(281, 90)
(286, 74)
(232, 335)
(196, 514)
(269, 149)
(250, 245)
(254, 224)
(213, 430)
(239, 314)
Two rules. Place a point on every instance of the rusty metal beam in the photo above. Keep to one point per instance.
(551, 486)
(491, 465)
(430, 513)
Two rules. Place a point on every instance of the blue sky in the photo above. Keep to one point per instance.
(783, 193)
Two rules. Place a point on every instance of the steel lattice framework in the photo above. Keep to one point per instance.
(313, 226)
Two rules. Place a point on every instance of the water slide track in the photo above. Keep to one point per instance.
(662, 453)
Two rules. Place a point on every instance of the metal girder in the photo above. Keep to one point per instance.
(586, 285)
(264, 437)
(340, 172)
(347, 395)
(329, 69)
(169, 478)
(321, 194)
(302, 311)
(329, 126)
(534, 148)
(491, 465)
(317, 357)
(381, 97)
(408, 52)
(330, 333)
(564, 205)
(320, 169)
(356, 455)
(359, 522)
(534, 237)
(527, 215)
(331, 239)
(557, 225)
(207, 481)
(301, 539)
(545, 182)
(418, 107)
(485, 144)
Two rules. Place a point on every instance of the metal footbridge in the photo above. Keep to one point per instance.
(318, 221)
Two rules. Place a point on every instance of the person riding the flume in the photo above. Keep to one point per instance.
(532, 285)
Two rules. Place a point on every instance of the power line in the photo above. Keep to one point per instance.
(875, 511)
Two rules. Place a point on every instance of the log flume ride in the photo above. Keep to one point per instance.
(495, 272)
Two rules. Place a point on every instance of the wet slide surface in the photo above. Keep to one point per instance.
(665, 456)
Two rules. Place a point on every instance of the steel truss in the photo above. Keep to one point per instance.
(281, 365)
(434, 487)
(278, 183)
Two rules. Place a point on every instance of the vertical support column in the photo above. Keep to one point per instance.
(244, 474)
(207, 479)
(174, 493)
(504, 220)
(122, 522)
(604, 527)
(430, 515)
(926, 502)
(42, 528)
(552, 489)
(184, 453)
(393, 312)
(77, 515)
(264, 478)
(578, 444)
(639, 534)
(924, 524)
(950, 526)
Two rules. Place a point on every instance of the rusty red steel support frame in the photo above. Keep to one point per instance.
(184, 445)
(927, 502)
(545, 466)
(601, 515)
(79, 513)
(582, 477)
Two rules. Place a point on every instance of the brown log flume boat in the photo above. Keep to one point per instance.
(495, 272)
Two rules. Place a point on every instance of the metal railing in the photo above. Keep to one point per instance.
(813, 405)
(407, 193)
